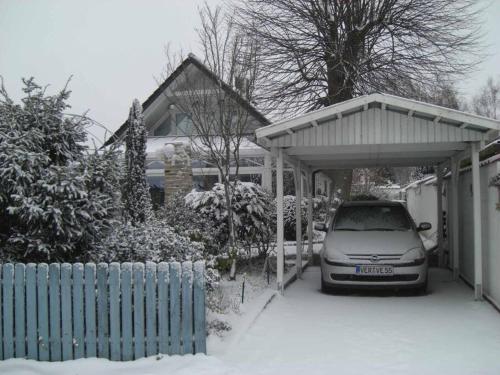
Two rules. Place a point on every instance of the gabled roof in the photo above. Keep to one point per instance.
(191, 59)
(413, 107)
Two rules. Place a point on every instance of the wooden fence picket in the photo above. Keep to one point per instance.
(126, 324)
(78, 314)
(8, 310)
(66, 312)
(55, 312)
(114, 312)
(139, 349)
(20, 309)
(31, 321)
(118, 311)
(175, 309)
(187, 308)
(43, 312)
(102, 310)
(90, 310)
(200, 345)
(163, 329)
(1, 315)
(151, 343)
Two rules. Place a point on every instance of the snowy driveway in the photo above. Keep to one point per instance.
(445, 332)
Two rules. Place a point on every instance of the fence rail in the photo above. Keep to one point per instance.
(118, 311)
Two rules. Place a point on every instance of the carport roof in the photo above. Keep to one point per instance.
(377, 130)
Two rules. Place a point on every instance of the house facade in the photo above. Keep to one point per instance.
(172, 163)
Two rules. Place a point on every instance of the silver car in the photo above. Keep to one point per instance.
(373, 244)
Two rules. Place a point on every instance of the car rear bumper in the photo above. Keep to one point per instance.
(345, 276)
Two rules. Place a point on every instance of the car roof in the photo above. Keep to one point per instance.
(370, 203)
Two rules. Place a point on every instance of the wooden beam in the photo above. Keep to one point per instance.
(298, 220)
(280, 250)
(439, 191)
(476, 203)
(455, 209)
(309, 184)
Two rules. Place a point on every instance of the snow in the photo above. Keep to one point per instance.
(307, 332)
(158, 365)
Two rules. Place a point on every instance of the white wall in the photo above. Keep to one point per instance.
(422, 201)
(422, 205)
(490, 217)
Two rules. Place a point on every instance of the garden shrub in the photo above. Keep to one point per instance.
(289, 217)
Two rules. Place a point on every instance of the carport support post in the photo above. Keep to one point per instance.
(279, 221)
(455, 170)
(476, 201)
(298, 219)
(309, 216)
(439, 175)
(267, 174)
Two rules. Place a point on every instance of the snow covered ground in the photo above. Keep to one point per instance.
(175, 365)
(445, 332)
(306, 332)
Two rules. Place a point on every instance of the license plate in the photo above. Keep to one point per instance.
(375, 270)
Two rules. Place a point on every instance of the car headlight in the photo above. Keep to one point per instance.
(335, 256)
(415, 256)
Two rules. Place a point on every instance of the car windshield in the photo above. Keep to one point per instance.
(372, 218)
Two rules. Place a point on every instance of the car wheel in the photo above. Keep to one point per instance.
(328, 289)
(422, 289)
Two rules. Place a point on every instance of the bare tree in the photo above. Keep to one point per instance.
(217, 99)
(315, 53)
(487, 102)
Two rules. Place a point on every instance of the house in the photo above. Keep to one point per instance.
(170, 128)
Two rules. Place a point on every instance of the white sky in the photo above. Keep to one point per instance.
(114, 48)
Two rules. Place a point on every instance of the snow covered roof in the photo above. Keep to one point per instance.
(156, 146)
(438, 114)
(426, 180)
(190, 60)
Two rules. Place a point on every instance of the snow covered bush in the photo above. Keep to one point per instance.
(289, 217)
(188, 222)
(495, 180)
(252, 208)
(320, 207)
(54, 203)
(152, 241)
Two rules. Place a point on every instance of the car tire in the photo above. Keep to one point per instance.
(328, 289)
(422, 289)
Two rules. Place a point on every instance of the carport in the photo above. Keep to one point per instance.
(379, 130)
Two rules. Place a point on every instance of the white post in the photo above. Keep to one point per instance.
(309, 217)
(298, 219)
(279, 222)
(455, 168)
(267, 174)
(476, 201)
(439, 188)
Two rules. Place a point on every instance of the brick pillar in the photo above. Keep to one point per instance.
(178, 170)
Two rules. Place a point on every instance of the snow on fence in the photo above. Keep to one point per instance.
(118, 311)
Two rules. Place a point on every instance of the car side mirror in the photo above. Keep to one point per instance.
(320, 226)
(424, 226)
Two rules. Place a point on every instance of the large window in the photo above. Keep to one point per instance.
(165, 128)
(183, 124)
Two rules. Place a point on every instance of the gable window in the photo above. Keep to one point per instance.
(183, 124)
(165, 128)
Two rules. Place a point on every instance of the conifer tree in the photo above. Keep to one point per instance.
(137, 200)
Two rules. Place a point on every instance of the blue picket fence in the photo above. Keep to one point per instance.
(117, 311)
